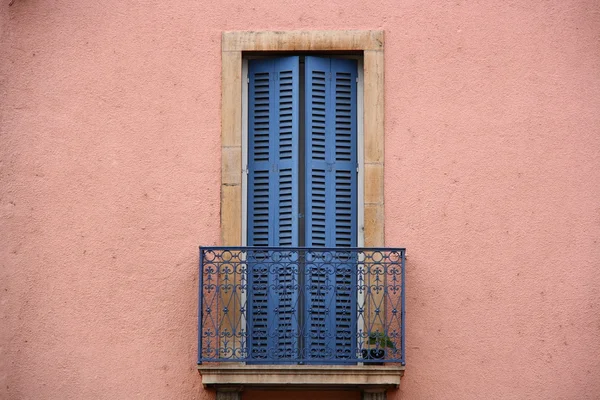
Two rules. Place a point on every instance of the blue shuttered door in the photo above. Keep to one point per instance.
(273, 206)
(326, 326)
(331, 206)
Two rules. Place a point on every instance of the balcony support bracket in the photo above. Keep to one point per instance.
(229, 393)
(373, 394)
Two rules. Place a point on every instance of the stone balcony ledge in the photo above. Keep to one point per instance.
(221, 376)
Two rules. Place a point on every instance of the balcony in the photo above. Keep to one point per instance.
(297, 316)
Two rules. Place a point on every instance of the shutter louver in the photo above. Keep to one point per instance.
(273, 206)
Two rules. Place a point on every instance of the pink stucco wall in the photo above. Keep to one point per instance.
(109, 171)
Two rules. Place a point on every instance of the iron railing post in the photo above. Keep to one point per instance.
(402, 304)
(200, 294)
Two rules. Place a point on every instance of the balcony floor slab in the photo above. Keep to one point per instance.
(301, 376)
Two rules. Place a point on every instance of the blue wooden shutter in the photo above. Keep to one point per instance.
(273, 206)
(331, 205)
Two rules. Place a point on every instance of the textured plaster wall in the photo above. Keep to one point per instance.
(109, 180)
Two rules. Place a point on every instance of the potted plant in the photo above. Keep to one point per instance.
(375, 352)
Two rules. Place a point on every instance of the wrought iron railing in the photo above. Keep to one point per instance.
(291, 305)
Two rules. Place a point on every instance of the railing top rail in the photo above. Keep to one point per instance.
(279, 248)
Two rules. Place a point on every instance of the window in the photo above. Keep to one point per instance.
(302, 191)
(233, 201)
(370, 43)
(223, 313)
(216, 318)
